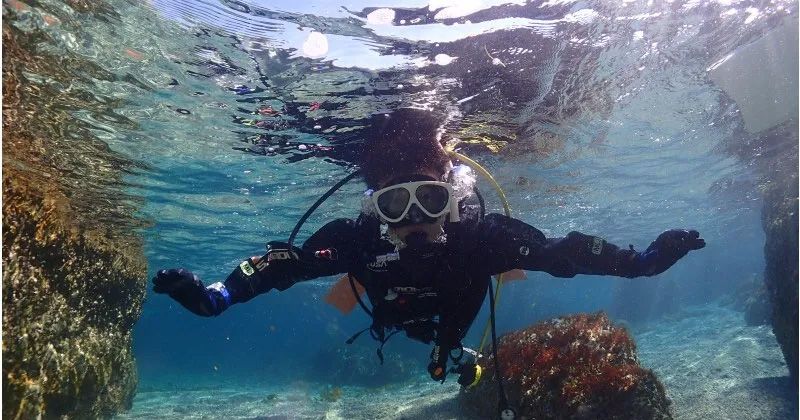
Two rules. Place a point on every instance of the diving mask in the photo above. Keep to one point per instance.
(431, 198)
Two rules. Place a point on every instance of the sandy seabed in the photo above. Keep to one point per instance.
(712, 365)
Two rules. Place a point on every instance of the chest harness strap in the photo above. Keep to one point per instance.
(375, 330)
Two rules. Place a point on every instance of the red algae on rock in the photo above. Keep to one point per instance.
(578, 366)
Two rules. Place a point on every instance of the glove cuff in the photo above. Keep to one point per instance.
(220, 297)
(197, 299)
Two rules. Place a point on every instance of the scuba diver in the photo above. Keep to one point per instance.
(422, 248)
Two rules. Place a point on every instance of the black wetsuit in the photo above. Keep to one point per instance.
(435, 293)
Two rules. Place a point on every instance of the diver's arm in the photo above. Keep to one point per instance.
(330, 250)
(325, 253)
(516, 244)
(251, 278)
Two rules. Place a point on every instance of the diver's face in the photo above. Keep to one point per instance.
(431, 231)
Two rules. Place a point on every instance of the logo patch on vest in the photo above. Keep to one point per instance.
(597, 245)
(381, 261)
(247, 268)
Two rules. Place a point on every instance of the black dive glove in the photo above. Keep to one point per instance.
(668, 248)
(187, 289)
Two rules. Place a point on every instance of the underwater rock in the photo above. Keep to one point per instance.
(73, 267)
(575, 367)
(780, 223)
(69, 303)
(774, 154)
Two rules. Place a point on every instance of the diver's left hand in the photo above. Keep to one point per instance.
(669, 247)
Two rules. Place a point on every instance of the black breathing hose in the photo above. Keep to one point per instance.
(318, 203)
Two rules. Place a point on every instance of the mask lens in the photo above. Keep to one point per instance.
(392, 203)
(433, 198)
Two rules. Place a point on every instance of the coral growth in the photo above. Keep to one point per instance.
(578, 366)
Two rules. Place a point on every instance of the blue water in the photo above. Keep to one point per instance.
(593, 116)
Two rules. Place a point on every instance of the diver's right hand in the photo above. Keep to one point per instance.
(175, 280)
(186, 288)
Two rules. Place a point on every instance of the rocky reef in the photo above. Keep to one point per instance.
(575, 367)
(773, 153)
(73, 267)
(780, 222)
(69, 303)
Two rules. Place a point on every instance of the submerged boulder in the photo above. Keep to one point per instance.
(73, 266)
(69, 304)
(774, 153)
(575, 367)
(780, 222)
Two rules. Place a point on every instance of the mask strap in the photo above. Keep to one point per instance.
(453, 207)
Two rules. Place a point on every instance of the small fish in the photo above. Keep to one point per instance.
(136, 55)
(242, 89)
(50, 19)
(268, 111)
(18, 6)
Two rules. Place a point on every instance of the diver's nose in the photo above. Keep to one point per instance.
(415, 215)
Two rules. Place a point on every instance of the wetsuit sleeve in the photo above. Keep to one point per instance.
(334, 249)
(510, 243)
(331, 250)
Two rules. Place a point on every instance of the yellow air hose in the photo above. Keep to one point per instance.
(480, 169)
